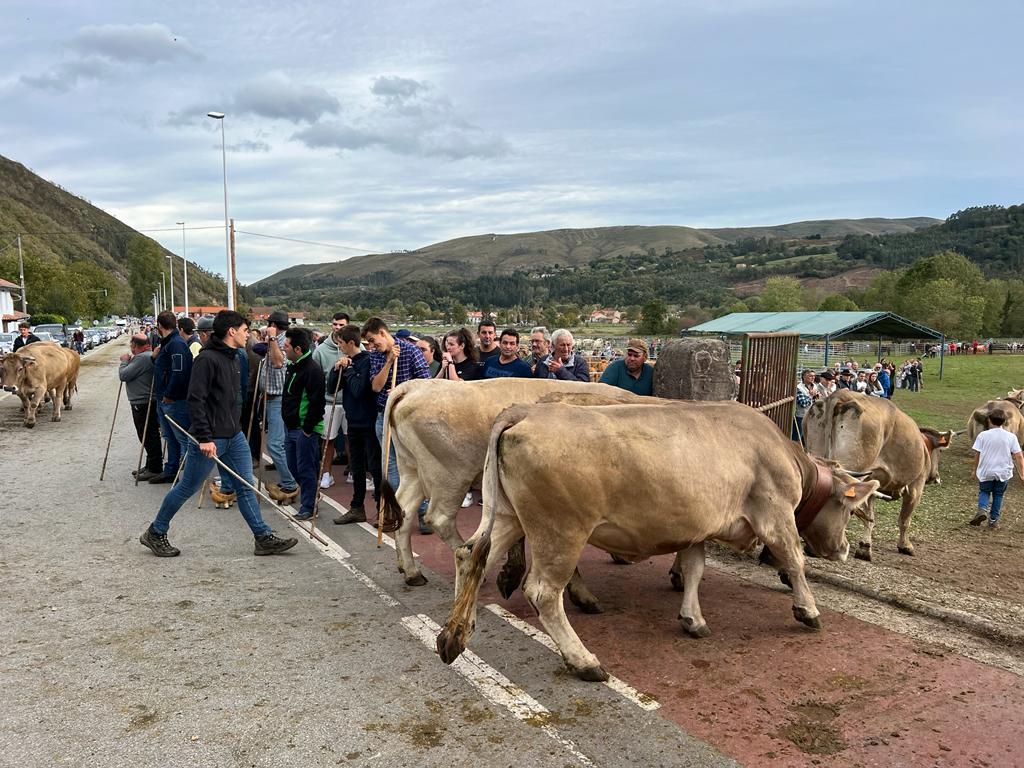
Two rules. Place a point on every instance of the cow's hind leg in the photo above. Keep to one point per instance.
(409, 497)
(692, 561)
(580, 596)
(56, 397)
(511, 575)
(909, 504)
(785, 545)
(550, 572)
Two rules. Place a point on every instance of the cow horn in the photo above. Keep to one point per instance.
(882, 496)
(858, 474)
(957, 434)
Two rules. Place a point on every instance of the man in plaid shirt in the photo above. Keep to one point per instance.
(386, 352)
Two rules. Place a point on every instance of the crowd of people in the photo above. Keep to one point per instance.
(218, 389)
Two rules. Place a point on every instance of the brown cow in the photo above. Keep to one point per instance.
(645, 480)
(37, 371)
(871, 435)
(1008, 407)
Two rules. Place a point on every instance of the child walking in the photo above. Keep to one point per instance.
(995, 452)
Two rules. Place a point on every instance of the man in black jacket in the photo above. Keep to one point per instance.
(302, 409)
(360, 404)
(214, 405)
(25, 337)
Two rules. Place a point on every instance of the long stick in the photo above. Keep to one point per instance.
(252, 407)
(113, 421)
(145, 431)
(323, 459)
(266, 423)
(247, 484)
(387, 454)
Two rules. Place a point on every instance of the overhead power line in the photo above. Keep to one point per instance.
(360, 248)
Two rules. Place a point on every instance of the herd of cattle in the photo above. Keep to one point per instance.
(565, 464)
(41, 372)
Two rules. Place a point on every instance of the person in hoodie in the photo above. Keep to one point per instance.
(214, 402)
(172, 370)
(302, 408)
(360, 404)
(326, 354)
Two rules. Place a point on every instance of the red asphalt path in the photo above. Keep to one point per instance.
(765, 689)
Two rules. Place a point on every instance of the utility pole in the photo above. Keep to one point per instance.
(163, 289)
(21, 271)
(184, 262)
(232, 297)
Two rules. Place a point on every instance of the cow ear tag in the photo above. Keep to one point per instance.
(850, 492)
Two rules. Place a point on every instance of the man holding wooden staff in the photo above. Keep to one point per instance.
(214, 407)
(136, 372)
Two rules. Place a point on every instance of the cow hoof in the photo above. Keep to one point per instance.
(589, 607)
(677, 581)
(784, 578)
(693, 629)
(863, 552)
(808, 552)
(592, 674)
(30, 426)
(804, 617)
(416, 581)
(449, 648)
(906, 550)
(620, 560)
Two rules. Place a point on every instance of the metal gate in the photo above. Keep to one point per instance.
(768, 378)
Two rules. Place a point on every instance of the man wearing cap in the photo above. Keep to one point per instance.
(136, 372)
(846, 380)
(272, 382)
(827, 385)
(632, 373)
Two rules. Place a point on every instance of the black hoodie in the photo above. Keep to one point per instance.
(213, 392)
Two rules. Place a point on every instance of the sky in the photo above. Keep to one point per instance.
(372, 127)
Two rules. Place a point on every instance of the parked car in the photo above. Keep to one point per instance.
(93, 335)
(56, 331)
(43, 335)
(7, 342)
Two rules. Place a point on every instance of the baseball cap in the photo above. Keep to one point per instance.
(204, 323)
(403, 333)
(279, 319)
(637, 345)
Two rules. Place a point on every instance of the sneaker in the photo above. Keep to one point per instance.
(326, 481)
(979, 518)
(269, 544)
(993, 524)
(354, 515)
(163, 477)
(468, 501)
(425, 530)
(158, 543)
(303, 515)
(480, 503)
(348, 478)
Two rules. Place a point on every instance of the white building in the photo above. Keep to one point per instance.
(9, 317)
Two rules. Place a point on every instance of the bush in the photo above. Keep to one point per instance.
(44, 318)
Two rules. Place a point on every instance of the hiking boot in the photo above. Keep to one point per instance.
(269, 544)
(979, 518)
(146, 475)
(163, 477)
(158, 543)
(281, 495)
(355, 514)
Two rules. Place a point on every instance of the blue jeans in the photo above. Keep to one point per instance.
(275, 443)
(234, 452)
(392, 462)
(995, 489)
(304, 464)
(177, 443)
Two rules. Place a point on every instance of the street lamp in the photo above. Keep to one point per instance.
(170, 258)
(184, 262)
(227, 237)
(163, 289)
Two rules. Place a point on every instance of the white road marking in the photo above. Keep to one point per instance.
(332, 549)
(494, 686)
(624, 689)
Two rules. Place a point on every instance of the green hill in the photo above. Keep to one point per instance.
(73, 251)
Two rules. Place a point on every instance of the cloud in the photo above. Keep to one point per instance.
(136, 43)
(276, 96)
(247, 145)
(68, 74)
(407, 117)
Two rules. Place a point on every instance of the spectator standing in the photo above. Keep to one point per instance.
(172, 371)
(874, 385)
(806, 394)
(136, 371)
(827, 385)
(563, 363)
(286, 489)
(302, 410)
(326, 354)
(489, 347)
(187, 329)
(431, 352)
(79, 338)
(212, 403)
(632, 373)
(846, 380)
(458, 361)
(996, 450)
(507, 363)
(540, 347)
(25, 336)
(360, 404)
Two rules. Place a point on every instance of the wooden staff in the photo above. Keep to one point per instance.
(249, 485)
(323, 458)
(145, 431)
(113, 421)
(263, 432)
(387, 453)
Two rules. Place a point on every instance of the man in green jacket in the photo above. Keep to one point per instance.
(302, 409)
(632, 373)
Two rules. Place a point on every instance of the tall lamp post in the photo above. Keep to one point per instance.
(170, 258)
(184, 263)
(163, 289)
(227, 237)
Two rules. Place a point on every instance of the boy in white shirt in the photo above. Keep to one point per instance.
(996, 451)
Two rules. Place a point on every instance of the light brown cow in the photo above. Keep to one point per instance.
(1008, 407)
(643, 480)
(440, 431)
(36, 371)
(871, 435)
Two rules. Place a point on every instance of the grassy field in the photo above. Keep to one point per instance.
(968, 381)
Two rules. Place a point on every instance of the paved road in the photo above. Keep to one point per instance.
(112, 657)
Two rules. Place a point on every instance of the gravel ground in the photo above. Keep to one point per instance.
(112, 657)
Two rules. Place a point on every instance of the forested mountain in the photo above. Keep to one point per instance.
(73, 252)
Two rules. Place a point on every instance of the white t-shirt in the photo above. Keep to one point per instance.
(995, 446)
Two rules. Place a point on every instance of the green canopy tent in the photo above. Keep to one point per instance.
(827, 326)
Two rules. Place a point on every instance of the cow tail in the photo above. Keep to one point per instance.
(390, 509)
(471, 557)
